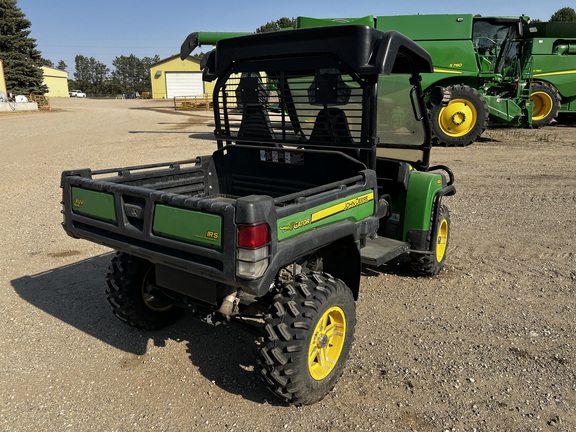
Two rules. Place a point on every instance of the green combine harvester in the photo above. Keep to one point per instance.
(554, 79)
(477, 60)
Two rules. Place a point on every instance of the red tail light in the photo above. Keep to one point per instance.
(252, 237)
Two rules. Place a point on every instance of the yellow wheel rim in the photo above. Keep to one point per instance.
(442, 240)
(153, 302)
(458, 118)
(327, 343)
(542, 105)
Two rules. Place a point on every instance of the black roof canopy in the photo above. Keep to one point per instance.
(363, 49)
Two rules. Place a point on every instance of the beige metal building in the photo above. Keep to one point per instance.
(2, 79)
(173, 77)
(57, 82)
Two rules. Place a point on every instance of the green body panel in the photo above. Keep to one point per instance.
(446, 79)
(448, 39)
(452, 57)
(429, 27)
(354, 207)
(187, 225)
(557, 69)
(422, 189)
(97, 205)
(543, 46)
(306, 22)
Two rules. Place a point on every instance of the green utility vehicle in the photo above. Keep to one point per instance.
(272, 229)
(554, 83)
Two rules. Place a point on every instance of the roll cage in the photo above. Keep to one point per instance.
(352, 89)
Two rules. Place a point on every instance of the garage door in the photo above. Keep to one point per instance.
(184, 84)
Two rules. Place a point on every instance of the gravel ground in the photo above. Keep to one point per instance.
(488, 345)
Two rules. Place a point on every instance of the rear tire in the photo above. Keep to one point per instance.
(546, 103)
(134, 297)
(432, 264)
(462, 121)
(307, 338)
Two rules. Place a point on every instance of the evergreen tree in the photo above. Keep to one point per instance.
(45, 62)
(22, 60)
(62, 65)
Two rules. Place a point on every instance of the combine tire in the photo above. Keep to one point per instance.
(432, 264)
(546, 102)
(307, 338)
(462, 121)
(133, 295)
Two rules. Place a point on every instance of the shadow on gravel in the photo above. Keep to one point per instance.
(485, 139)
(398, 267)
(75, 294)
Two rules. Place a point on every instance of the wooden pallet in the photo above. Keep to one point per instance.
(42, 101)
(192, 102)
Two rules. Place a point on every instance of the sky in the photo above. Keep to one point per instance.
(106, 29)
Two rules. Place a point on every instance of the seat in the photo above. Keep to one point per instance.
(331, 126)
(255, 124)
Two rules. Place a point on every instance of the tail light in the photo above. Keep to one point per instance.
(253, 250)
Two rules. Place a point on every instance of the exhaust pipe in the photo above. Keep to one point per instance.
(229, 305)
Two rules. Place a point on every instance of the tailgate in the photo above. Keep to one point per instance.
(163, 213)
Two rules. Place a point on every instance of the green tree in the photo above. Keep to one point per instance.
(45, 62)
(133, 73)
(90, 75)
(566, 14)
(61, 65)
(277, 25)
(22, 60)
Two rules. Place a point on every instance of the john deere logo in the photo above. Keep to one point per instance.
(343, 206)
(78, 203)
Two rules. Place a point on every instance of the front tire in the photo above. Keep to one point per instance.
(134, 296)
(462, 121)
(432, 264)
(307, 338)
(546, 103)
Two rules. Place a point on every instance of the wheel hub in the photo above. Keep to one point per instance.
(459, 118)
(322, 341)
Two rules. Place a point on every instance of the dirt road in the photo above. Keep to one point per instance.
(488, 345)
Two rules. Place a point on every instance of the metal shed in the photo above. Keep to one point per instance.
(173, 77)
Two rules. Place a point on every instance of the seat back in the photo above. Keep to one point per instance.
(255, 124)
(331, 127)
